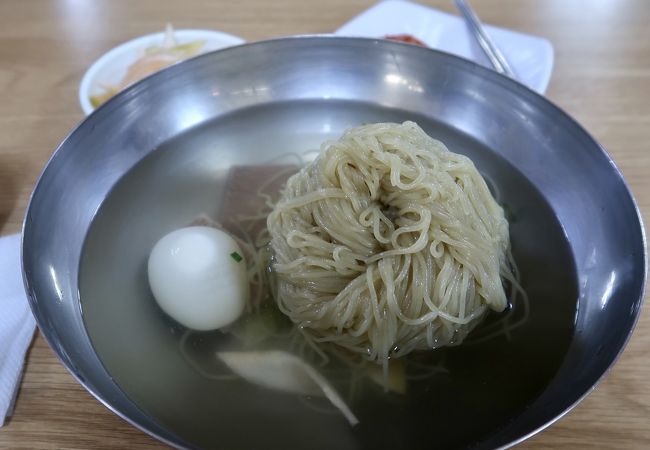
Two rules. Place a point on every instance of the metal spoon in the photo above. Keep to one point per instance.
(475, 27)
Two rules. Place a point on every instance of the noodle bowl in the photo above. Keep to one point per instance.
(388, 243)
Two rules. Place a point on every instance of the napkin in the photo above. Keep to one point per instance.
(16, 323)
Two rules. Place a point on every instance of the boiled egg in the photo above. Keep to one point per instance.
(198, 277)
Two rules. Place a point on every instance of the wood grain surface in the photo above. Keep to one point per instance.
(601, 77)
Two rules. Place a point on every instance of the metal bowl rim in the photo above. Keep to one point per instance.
(484, 72)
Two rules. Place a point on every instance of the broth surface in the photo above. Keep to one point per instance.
(476, 389)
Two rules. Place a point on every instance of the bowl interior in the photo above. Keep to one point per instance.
(477, 387)
(160, 154)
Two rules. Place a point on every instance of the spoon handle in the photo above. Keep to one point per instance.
(475, 26)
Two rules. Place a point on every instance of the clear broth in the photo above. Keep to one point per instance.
(479, 388)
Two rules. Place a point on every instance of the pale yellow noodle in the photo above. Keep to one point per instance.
(389, 243)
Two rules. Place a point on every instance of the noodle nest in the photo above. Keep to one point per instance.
(388, 243)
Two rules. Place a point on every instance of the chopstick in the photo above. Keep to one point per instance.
(488, 46)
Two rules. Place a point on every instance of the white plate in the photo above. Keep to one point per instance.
(112, 66)
(531, 57)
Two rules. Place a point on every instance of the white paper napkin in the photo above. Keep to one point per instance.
(16, 323)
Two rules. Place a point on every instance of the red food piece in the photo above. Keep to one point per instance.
(405, 38)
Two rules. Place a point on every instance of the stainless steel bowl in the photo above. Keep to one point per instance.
(580, 235)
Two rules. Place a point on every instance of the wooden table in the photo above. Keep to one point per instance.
(601, 77)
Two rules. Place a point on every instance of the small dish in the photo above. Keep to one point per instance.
(531, 57)
(110, 68)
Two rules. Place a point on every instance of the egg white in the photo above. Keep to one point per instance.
(198, 277)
